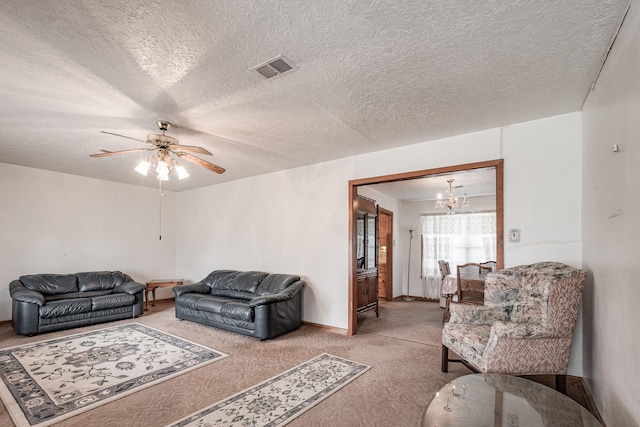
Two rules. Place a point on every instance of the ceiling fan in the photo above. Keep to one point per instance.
(165, 145)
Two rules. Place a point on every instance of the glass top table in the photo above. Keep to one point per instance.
(505, 401)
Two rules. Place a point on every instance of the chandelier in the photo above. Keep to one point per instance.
(163, 166)
(451, 202)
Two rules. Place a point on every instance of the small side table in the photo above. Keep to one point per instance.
(152, 285)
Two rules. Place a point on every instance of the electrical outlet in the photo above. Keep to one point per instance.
(514, 235)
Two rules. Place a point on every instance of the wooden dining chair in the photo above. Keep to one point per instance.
(471, 277)
(491, 264)
(445, 270)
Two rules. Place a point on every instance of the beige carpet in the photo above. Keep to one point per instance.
(402, 346)
(417, 321)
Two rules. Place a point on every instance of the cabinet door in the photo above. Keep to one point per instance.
(362, 292)
(372, 289)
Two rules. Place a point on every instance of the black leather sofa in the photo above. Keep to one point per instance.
(51, 302)
(253, 303)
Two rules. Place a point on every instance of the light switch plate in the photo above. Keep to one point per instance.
(514, 235)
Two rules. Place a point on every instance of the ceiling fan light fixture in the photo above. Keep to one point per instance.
(181, 171)
(163, 170)
(143, 167)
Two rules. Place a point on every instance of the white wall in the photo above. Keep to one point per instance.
(542, 190)
(59, 223)
(611, 230)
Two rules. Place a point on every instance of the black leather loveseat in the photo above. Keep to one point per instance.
(253, 303)
(51, 302)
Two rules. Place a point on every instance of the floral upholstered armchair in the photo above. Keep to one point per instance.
(525, 326)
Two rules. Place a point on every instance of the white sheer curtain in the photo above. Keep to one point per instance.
(458, 239)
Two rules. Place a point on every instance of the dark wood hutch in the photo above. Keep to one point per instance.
(367, 255)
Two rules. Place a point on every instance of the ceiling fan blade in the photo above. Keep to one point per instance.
(122, 136)
(106, 153)
(200, 162)
(192, 149)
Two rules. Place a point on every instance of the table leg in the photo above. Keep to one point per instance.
(153, 304)
(146, 299)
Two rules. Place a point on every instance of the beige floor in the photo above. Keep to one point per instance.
(402, 346)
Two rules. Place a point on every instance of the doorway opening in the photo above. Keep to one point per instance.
(498, 165)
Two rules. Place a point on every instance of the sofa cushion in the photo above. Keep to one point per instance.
(275, 283)
(230, 293)
(112, 301)
(237, 310)
(65, 307)
(467, 336)
(189, 300)
(247, 281)
(76, 295)
(211, 303)
(100, 280)
(219, 279)
(50, 284)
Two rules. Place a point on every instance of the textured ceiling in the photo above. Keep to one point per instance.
(372, 75)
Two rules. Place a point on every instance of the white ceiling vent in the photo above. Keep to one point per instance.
(275, 67)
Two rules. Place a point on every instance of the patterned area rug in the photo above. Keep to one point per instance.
(45, 382)
(280, 399)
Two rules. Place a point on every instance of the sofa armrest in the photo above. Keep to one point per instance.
(286, 294)
(19, 293)
(193, 288)
(477, 314)
(519, 330)
(129, 288)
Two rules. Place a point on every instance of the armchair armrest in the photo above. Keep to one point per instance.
(519, 330)
(129, 288)
(286, 294)
(19, 293)
(477, 314)
(194, 288)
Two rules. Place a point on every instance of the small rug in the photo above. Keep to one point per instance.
(280, 399)
(47, 381)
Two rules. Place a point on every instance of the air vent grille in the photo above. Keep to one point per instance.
(275, 67)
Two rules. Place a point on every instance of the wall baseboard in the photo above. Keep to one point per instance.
(327, 328)
(402, 297)
(591, 404)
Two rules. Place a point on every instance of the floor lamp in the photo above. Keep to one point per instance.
(407, 297)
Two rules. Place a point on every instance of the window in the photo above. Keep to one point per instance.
(457, 239)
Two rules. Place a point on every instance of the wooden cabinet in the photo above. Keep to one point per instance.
(367, 255)
(367, 283)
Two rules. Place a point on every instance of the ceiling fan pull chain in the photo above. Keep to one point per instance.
(160, 215)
